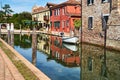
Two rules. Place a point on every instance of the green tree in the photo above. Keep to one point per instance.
(6, 12)
(7, 9)
(19, 19)
(77, 23)
(2, 14)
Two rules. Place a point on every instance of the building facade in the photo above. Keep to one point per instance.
(42, 15)
(92, 13)
(63, 16)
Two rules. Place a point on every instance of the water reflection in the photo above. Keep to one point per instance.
(23, 40)
(59, 60)
(34, 47)
(55, 49)
(63, 53)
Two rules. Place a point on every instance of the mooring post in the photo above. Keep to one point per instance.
(12, 34)
(8, 28)
(34, 46)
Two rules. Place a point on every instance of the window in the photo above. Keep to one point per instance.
(90, 2)
(104, 1)
(104, 22)
(57, 24)
(90, 23)
(63, 11)
(67, 23)
(63, 24)
(90, 64)
(57, 12)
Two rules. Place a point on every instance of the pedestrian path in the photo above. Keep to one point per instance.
(7, 69)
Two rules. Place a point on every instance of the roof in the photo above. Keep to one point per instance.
(51, 4)
(39, 9)
(69, 2)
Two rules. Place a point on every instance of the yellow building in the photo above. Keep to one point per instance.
(42, 15)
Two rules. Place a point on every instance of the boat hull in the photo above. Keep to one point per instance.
(72, 40)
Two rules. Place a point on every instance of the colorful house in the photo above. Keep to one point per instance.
(42, 15)
(63, 16)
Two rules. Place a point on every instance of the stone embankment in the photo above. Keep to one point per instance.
(14, 74)
(111, 44)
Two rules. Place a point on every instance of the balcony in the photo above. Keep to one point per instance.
(46, 17)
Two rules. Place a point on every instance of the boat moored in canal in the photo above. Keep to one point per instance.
(71, 40)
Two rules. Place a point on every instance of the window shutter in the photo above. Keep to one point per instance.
(92, 1)
(88, 2)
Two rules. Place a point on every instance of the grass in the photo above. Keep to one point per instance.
(22, 68)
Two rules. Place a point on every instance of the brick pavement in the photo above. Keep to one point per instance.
(7, 69)
(39, 74)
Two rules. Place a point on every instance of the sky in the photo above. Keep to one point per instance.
(19, 6)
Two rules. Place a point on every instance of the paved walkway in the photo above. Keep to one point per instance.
(39, 74)
(7, 69)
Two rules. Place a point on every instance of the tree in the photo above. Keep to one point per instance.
(2, 14)
(20, 19)
(77, 23)
(7, 9)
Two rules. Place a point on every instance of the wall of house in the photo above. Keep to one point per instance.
(73, 9)
(40, 16)
(113, 32)
(66, 17)
(60, 18)
(95, 11)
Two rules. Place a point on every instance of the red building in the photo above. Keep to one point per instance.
(63, 16)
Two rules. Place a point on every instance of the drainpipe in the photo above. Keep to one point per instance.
(110, 5)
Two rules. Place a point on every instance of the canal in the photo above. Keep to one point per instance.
(61, 61)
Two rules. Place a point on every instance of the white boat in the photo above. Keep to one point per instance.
(71, 47)
(72, 40)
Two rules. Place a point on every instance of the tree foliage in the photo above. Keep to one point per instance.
(77, 23)
(19, 19)
(5, 13)
(7, 9)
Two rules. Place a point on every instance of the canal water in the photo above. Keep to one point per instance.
(62, 61)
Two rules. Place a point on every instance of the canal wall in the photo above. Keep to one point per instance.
(40, 75)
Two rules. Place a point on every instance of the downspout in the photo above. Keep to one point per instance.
(110, 5)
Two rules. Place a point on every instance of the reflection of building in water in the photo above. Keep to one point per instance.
(62, 54)
(43, 43)
(99, 66)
